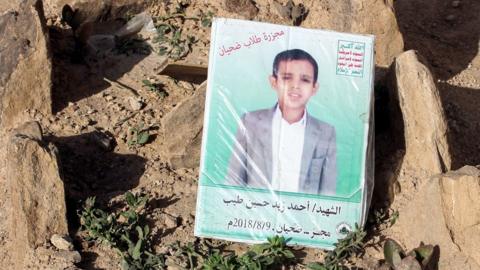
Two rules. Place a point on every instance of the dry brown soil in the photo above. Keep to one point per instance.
(447, 35)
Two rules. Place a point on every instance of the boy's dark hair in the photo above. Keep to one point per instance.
(295, 54)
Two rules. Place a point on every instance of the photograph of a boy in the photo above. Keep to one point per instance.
(284, 147)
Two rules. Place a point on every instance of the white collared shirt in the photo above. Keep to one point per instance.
(287, 150)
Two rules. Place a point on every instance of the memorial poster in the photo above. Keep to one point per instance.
(287, 134)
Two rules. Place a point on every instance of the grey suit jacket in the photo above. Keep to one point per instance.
(251, 160)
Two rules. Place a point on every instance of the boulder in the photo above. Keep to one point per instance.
(36, 206)
(445, 211)
(26, 68)
(417, 121)
(374, 17)
(460, 190)
(182, 130)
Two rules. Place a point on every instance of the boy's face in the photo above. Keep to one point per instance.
(294, 84)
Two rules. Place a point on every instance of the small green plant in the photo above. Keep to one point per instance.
(99, 225)
(157, 88)
(274, 252)
(206, 18)
(270, 255)
(172, 42)
(351, 245)
(137, 255)
(133, 45)
(123, 232)
(218, 262)
(187, 253)
(394, 217)
(139, 135)
(420, 258)
(382, 218)
(170, 33)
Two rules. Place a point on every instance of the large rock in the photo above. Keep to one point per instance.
(418, 123)
(36, 205)
(363, 16)
(460, 190)
(182, 129)
(445, 211)
(26, 69)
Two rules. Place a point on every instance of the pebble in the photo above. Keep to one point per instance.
(71, 256)
(135, 103)
(109, 98)
(103, 140)
(450, 17)
(187, 85)
(61, 242)
(456, 4)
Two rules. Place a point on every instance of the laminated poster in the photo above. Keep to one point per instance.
(287, 137)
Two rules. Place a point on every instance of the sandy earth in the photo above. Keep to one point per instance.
(85, 104)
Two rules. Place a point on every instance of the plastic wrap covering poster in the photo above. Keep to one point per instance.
(285, 133)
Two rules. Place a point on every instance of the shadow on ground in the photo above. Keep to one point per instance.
(389, 139)
(89, 170)
(79, 75)
(446, 34)
(463, 123)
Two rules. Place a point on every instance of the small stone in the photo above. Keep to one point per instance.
(103, 140)
(109, 98)
(450, 18)
(246, 8)
(456, 4)
(135, 103)
(70, 256)
(187, 85)
(61, 242)
(171, 221)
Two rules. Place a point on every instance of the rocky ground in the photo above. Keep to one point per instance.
(99, 99)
